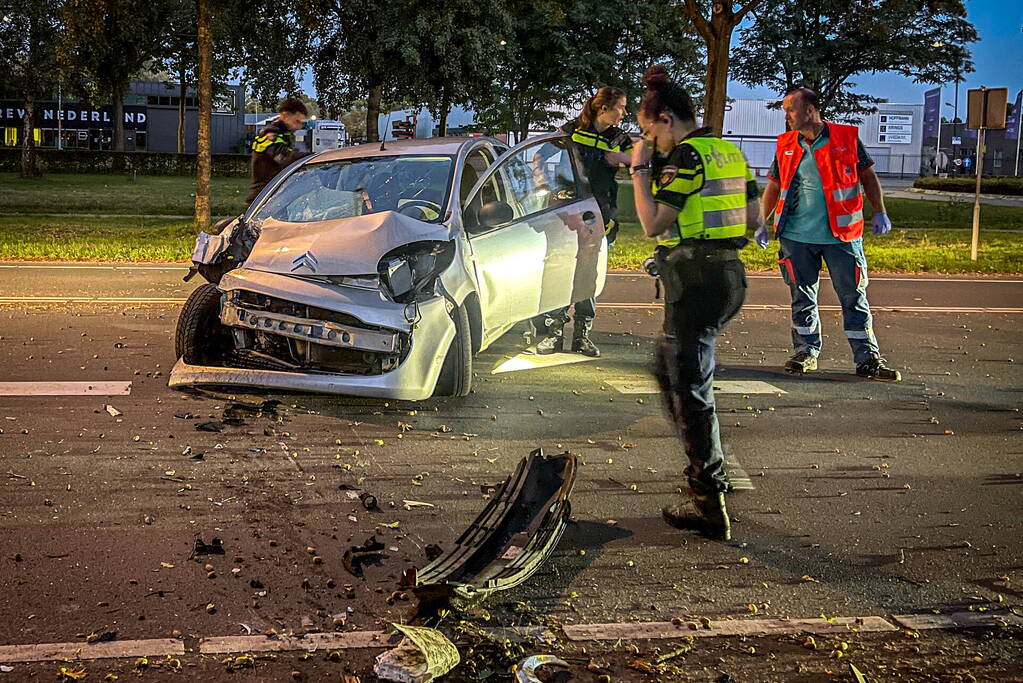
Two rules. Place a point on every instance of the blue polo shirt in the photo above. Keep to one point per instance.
(806, 217)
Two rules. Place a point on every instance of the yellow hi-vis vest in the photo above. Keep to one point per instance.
(718, 210)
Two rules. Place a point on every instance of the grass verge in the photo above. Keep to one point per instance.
(117, 194)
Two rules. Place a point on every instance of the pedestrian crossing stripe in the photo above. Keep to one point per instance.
(650, 386)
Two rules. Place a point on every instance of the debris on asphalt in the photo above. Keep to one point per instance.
(358, 555)
(369, 501)
(510, 539)
(104, 637)
(423, 655)
(525, 671)
(114, 412)
(66, 674)
(433, 551)
(214, 547)
(409, 504)
(209, 427)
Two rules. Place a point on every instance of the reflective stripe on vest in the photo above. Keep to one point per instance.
(590, 139)
(718, 210)
(837, 163)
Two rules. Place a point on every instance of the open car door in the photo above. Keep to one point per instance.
(535, 232)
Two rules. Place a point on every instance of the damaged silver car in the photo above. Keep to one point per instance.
(381, 270)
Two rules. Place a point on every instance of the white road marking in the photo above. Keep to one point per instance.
(532, 361)
(921, 622)
(65, 388)
(14, 300)
(873, 278)
(731, 627)
(45, 652)
(310, 641)
(646, 385)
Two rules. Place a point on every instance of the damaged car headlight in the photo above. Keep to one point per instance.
(410, 271)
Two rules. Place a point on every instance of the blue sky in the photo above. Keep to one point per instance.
(997, 57)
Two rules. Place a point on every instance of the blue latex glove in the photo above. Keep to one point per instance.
(882, 224)
(762, 236)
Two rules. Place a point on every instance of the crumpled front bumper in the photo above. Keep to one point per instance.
(413, 379)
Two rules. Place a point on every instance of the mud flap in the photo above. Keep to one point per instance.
(510, 539)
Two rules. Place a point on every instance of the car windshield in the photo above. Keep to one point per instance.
(416, 186)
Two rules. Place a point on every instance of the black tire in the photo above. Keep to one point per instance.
(456, 374)
(200, 338)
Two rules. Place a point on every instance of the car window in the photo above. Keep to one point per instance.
(534, 184)
(476, 164)
(416, 186)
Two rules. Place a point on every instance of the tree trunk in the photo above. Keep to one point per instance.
(716, 83)
(118, 97)
(203, 157)
(29, 158)
(182, 92)
(373, 113)
(445, 109)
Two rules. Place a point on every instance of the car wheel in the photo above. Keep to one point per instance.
(200, 338)
(456, 373)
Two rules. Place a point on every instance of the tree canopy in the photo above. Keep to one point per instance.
(825, 44)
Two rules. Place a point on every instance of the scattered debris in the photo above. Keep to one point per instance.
(114, 412)
(409, 504)
(66, 674)
(369, 501)
(511, 538)
(423, 655)
(214, 547)
(209, 427)
(433, 551)
(358, 555)
(104, 637)
(525, 670)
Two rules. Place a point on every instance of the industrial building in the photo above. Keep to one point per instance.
(150, 120)
(893, 135)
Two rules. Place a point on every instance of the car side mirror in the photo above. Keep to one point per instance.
(495, 213)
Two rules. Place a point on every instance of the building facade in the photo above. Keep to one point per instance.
(893, 135)
(150, 121)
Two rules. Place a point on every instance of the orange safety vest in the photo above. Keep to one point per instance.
(836, 162)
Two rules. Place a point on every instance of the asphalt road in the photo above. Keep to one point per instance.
(867, 498)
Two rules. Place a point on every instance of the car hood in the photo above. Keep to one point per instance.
(346, 246)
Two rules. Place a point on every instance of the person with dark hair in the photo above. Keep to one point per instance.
(698, 204)
(603, 147)
(274, 147)
(815, 193)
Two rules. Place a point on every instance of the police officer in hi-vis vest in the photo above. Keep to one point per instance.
(603, 147)
(816, 198)
(698, 205)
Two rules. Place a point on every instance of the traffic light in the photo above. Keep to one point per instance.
(403, 130)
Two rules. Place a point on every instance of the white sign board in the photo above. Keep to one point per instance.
(895, 129)
(957, 140)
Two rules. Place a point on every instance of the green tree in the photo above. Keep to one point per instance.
(368, 50)
(716, 32)
(823, 44)
(28, 60)
(459, 53)
(108, 41)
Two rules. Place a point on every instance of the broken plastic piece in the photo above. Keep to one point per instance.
(369, 501)
(525, 670)
(423, 655)
(357, 555)
(214, 547)
(509, 540)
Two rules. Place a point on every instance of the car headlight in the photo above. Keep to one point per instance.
(409, 272)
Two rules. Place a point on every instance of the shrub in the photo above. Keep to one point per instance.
(146, 163)
(988, 184)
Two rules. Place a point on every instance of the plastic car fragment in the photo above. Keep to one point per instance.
(510, 539)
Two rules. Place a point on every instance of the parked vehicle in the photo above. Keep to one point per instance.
(380, 270)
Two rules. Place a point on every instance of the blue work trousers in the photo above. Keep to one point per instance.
(800, 264)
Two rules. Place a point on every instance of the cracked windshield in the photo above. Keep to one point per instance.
(416, 186)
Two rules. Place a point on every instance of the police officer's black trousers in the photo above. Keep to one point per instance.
(713, 287)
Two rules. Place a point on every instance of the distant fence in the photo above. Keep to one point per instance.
(145, 163)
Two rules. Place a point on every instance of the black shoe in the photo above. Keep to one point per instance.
(800, 363)
(581, 342)
(877, 368)
(704, 513)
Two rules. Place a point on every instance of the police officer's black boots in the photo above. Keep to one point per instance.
(581, 342)
(554, 342)
(704, 512)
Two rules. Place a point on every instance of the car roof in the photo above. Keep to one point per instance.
(447, 146)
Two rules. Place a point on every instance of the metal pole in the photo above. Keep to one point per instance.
(1018, 136)
(975, 242)
(60, 112)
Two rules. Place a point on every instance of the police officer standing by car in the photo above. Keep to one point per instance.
(603, 147)
(274, 147)
(698, 204)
